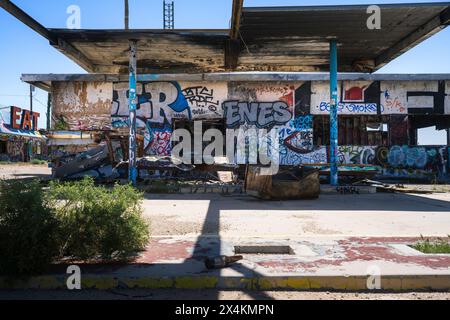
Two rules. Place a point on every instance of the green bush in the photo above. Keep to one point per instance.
(98, 222)
(28, 229)
(38, 161)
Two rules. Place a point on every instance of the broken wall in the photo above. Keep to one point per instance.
(81, 105)
(297, 110)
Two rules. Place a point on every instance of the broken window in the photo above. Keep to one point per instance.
(3, 147)
(354, 130)
(431, 136)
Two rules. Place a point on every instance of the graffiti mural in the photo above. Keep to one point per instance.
(283, 107)
(158, 103)
(205, 100)
(400, 161)
(414, 97)
(356, 155)
(355, 97)
(261, 114)
(287, 107)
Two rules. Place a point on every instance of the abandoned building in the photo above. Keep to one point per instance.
(284, 62)
(378, 117)
(20, 138)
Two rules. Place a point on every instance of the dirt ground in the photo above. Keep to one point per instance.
(172, 294)
(24, 170)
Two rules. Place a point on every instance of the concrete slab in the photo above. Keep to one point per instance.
(337, 263)
(24, 170)
(359, 215)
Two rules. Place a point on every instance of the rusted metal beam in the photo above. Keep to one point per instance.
(58, 43)
(236, 18)
(23, 17)
(233, 44)
(232, 50)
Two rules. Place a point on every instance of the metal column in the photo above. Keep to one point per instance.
(333, 114)
(132, 172)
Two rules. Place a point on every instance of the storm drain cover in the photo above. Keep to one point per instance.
(261, 249)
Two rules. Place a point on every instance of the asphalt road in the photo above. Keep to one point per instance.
(177, 294)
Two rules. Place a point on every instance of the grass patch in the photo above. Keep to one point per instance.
(436, 246)
(37, 161)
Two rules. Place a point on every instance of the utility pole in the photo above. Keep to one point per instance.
(333, 113)
(127, 23)
(49, 107)
(168, 15)
(31, 97)
(132, 170)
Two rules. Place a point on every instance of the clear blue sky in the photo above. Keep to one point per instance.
(24, 51)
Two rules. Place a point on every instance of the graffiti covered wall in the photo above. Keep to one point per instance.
(289, 108)
(420, 162)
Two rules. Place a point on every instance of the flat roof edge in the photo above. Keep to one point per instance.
(271, 9)
(232, 76)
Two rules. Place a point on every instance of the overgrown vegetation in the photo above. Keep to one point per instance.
(98, 223)
(75, 220)
(28, 229)
(38, 161)
(436, 246)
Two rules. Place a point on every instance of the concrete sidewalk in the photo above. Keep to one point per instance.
(336, 242)
(324, 263)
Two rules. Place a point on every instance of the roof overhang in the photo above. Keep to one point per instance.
(294, 39)
(44, 81)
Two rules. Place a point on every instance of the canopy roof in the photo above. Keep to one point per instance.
(260, 39)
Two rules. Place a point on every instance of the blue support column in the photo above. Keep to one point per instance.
(333, 114)
(132, 172)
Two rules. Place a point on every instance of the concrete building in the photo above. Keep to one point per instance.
(356, 120)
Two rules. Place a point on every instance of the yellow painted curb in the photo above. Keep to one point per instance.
(342, 283)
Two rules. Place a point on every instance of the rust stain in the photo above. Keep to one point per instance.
(82, 105)
(363, 249)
